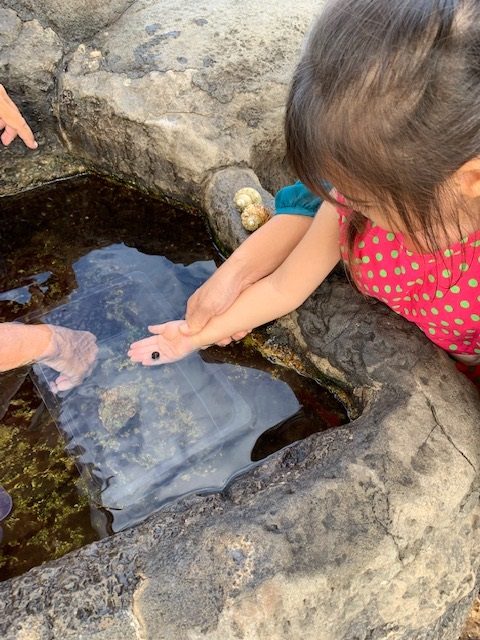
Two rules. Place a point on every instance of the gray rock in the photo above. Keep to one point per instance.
(366, 531)
(172, 93)
(222, 215)
(73, 20)
(29, 59)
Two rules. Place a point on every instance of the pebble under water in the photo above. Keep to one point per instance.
(91, 254)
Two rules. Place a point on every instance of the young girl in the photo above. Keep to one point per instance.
(385, 105)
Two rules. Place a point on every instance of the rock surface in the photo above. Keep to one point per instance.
(73, 20)
(174, 92)
(30, 60)
(368, 532)
(222, 214)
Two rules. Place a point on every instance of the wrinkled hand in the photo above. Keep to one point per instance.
(72, 354)
(212, 299)
(13, 123)
(167, 341)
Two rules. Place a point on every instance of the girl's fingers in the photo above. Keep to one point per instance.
(143, 353)
(139, 353)
(3, 124)
(157, 329)
(147, 342)
(240, 335)
(223, 343)
(63, 383)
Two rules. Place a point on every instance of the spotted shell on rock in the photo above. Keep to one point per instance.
(246, 196)
(254, 216)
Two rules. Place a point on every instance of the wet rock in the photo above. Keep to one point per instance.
(30, 57)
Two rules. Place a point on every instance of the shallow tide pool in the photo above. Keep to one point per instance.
(92, 254)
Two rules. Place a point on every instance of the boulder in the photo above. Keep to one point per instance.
(171, 93)
(73, 20)
(30, 60)
(368, 531)
(365, 532)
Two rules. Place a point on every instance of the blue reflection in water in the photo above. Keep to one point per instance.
(23, 295)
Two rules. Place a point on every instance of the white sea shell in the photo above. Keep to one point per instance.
(246, 196)
(254, 216)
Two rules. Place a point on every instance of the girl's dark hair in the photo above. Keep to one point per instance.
(386, 98)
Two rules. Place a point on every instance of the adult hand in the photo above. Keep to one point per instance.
(72, 354)
(13, 123)
(212, 299)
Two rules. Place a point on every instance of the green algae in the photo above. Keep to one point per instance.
(50, 512)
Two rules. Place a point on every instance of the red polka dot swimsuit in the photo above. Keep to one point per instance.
(439, 292)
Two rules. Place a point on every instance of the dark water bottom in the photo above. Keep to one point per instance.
(45, 234)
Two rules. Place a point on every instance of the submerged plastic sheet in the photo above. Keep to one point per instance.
(143, 435)
(6, 503)
(134, 427)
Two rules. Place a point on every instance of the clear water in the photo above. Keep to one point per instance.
(131, 438)
(145, 435)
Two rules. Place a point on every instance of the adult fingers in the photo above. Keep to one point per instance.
(26, 134)
(9, 134)
(186, 330)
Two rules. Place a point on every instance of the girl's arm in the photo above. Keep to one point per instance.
(273, 296)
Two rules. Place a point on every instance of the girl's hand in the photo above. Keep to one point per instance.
(13, 123)
(168, 342)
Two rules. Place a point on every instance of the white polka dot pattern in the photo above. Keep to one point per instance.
(439, 292)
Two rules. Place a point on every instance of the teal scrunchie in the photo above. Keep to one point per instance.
(296, 199)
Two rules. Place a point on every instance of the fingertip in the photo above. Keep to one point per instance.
(62, 383)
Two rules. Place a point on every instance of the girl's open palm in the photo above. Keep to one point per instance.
(167, 342)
